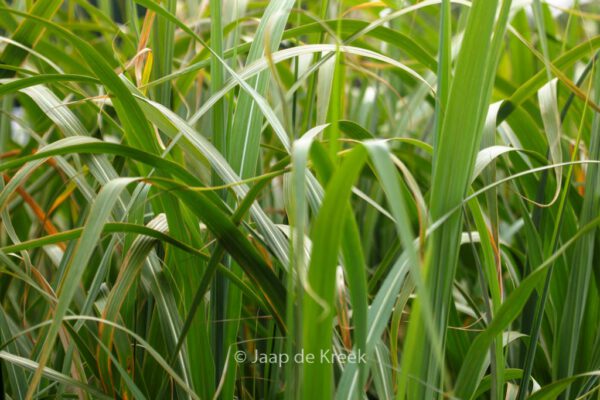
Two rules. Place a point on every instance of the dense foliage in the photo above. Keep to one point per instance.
(299, 199)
